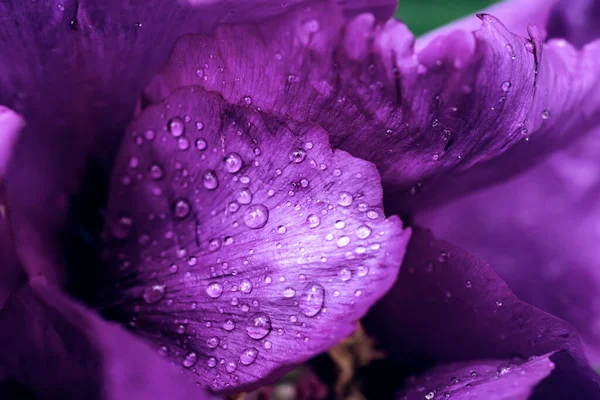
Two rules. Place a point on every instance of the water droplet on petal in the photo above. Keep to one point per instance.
(229, 325)
(214, 244)
(154, 294)
(505, 86)
(201, 144)
(214, 289)
(212, 342)
(248, 100)
(344, 199)
(345, 274)
(259, 326)
(256, 216)
(210, 180)
(233, 162)
(312, 298)
(469, 284)
(212, 362)
(190, 359)
(248, 356)
(176, 127)
(363, 232)
(313, 221)
(122, 226)
(199, 125)
(362, 270)
(298, 155)
(246, 286)
(231, 366)
(156, 172)
(181, 208)
(289, 292)
(244, 196)
(183, 143)
(545, 114)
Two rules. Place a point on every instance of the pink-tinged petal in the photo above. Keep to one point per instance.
(488, 379)
(516, 15)
(56, 348)
(74, 70)
(540, 232)
(422, 117)
(241, 243)
(448, 306)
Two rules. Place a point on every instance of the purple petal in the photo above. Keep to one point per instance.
(489, 379)
(11, 274)
(462, 101)
(448, 306)
(74, 70)
(241, 243)
(58, 349)
(576, 21)
(10, 126)
(540, 233)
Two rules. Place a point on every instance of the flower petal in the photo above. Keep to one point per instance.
(11, 274)
(74, 69)
(463, 100)
(540, 233)
(448, 306)
(58, 349)
(576, 21)
(243, 243)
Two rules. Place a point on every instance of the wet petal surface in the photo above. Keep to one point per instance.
(540, 233)
(55, 348)
(422, 117)
(241, 243)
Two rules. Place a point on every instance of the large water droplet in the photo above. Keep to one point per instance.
(246, 286)
(344, 199)
(259, 326)
(181, 208)
(311, 301)
(210, 180)
(298, 155)
(256, 216)
(233, 162)
(154, 294)
(214, 289)
(363, 232)
(176, 127)
(201, 144)
(231, 366)
(190, 359)
(248, 356)
(229, 325)
(289, 292)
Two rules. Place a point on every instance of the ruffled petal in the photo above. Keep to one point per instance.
(422, 117)
(242, 243)
(447, 306)
(540, 233)
(516, 15)
(74, 69)
(55, 348)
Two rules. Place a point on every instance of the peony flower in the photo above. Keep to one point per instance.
(200, 196)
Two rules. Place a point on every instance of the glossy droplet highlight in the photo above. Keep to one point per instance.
(363, 232)
(214, 290)
(156, 172)
(244, 196)
(256, 216)
(229, 325)
(201, 144)
(312, 298)
(298, 155)
(181, 208)
(122, 226)
(246, 286)
(210, 180)
(313, 221)
(190, 359)
(289, 292)
(154, 294)
(176, 127)
(233, 163)
(344, 199)
(231, 366)
(213, 342)
(259, 326)
(248, 356)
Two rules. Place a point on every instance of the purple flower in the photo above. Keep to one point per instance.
(215, 201)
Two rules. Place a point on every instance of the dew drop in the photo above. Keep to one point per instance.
(343, 241)
(233, 162)
(149, 134)
(176, 127)
(233, 207)
(122, 226)
(468, 284)
(246, 286)
(256, 216)
(244, 196)
(344, 199)
(212, 342)
(430, 395)
(372, 214)
(545, 114)
(345, 274)
(181, 208)
(311, 301)
(212, 362)
(506, 85)
(156, 172)
(229, 325)
(259, 326)
(248, 356)
(362, 270)
(210, 180)
(190, 359)
(298, 155)
(201, 144)
(231, 366)
(289, 292)
(214, 244)
(214, 290)
(281, 229)
(363, 232)
(154, 294)
(313, 221)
